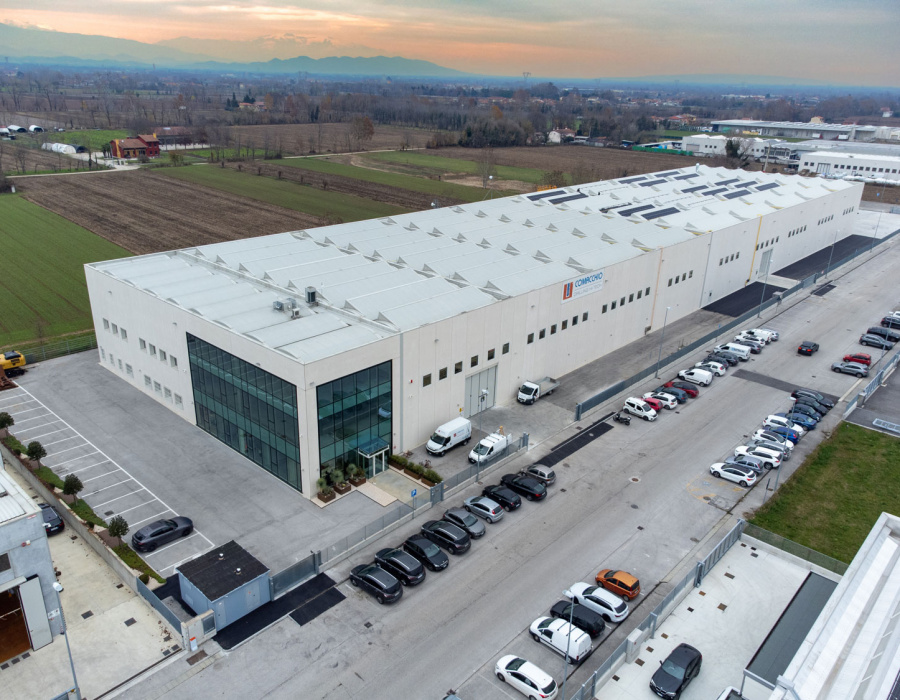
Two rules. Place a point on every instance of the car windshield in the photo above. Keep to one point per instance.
(515, 664)
(527, 390)
(673, 669)
(49, 515)
(468, 519)
(548, 690)
(481, 449)
(439, 440)
(430, 549)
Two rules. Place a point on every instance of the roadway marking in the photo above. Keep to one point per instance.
(118, 483)
(76, 435)
(151, 517)
(99, 477)
(35, 418)
(96, 464)
(35, 437)
(140, 505)
(75, 459)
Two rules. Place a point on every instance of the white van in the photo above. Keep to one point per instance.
(457, 431)
(560, 636)
(697, 376)
(639, 408)
(742, 351)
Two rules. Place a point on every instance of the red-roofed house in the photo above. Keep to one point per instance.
(128, 148)
(152, 144)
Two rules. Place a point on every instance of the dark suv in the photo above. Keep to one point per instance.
(526, 486)
(53, 524)
(402, 566)
(679, 668)
(885, 333)
(377, 582)
(447, 535)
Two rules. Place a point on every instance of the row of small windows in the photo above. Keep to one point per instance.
(114, 329)
(872, 169)
(152, 349)
(684, 276)
(796, 231)
(826, 220)
(771, 241)
(562, 326)
(163, 391)
(631, 298)
(729, 258)
(848, 210)
(458, 367)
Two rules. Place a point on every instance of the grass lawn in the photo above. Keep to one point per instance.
(832, 501)
(283, 193)
(399, 180)
(42, 271)
(96, 139)
(439, 164)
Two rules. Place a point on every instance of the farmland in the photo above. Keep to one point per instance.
(302, 139)
(44, 294)
(424, 163)
(94, 139)
(145, 212)
(285, 193)
(18, 158)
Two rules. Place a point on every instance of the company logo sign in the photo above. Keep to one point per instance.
(581, 286)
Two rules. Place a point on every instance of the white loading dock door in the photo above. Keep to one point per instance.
(486, 379)
(35, 613)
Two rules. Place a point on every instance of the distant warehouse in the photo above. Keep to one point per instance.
(323, 347)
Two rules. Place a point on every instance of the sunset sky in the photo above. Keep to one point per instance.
(837, 41)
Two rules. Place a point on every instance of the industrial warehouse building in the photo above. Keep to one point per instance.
(803, 130)
(841, 164)
(323, 347)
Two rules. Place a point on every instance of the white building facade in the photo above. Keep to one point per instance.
(855, 165)
(314, 349)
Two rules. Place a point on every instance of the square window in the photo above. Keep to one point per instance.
(542, 334)
(457, 368)
(506, 347)
(684, 274)
(602, 311)
(612, 306)
(574, 320)
(491, 354)
(631, 297)
(691, 273)
(670, 281)
(105, 325)
(115, 329)
(426, 380)
(147, 381)
(143, 343)
(111, 360)
(564, 325)
(584, 316)
(640, 291)
(162, 355)
(103, 353)
(530, 338)
(553, 329)
(676, 280)
(123, 334)
(647, 291)
(152, 349)
(4, 563)
(474, 361)
(442, 373)
(173, 360)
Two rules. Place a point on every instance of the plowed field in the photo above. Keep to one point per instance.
(300, 139)
(145, 212)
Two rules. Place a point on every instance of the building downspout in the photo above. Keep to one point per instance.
(656, 287)
(755, 249)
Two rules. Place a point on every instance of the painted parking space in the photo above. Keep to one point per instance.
(108, 487)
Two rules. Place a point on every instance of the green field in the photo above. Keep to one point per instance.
(283, 193)
(96, 138)
(438, 165)
(42, 272)
(834, 499)
(406, 182)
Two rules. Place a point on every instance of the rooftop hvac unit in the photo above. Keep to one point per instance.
(311, 296)
(278, 305)
(295, 313)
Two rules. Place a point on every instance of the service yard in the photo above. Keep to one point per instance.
(639, 498)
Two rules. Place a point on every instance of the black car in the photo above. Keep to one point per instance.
(726, 358)
(807, 347)
(426, 552)
(679, 668)
(155, 534)
(505, 497)
(465, 520)
(402, 566)
(582, 617)
(890, 322)
(377, 582)
(532, 489)
(885, 333)
(53, 524)
(812, 403)
(680, 396)
(807, 411)
(801, 391)
(447, 535)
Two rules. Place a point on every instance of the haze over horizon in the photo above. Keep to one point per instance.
(822, 40)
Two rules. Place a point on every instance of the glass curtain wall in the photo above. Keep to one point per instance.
(250, 410)
(353, 410)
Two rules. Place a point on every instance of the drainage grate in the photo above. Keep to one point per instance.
(823, 290)
(200, 655)
(130, 621)
(727, 575)
(86, 615)
(639, 662)
(109, 512)
(722, 606)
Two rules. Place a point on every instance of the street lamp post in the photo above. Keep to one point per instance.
(661, 339)
(568, 642)
(762, 298)
(65, 633)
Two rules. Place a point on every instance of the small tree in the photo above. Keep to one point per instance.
(35, 451)
(6, 422)
(72, 486)
(118, 528)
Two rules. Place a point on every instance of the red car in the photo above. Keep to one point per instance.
(655, 404)
(859, 357)
(688, 389)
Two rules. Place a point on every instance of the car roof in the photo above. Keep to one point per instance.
(684, 652)
(623, 576)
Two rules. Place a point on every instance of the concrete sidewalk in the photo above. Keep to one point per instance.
(114, 634)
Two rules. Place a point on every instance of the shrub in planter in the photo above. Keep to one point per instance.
(357, 475)
(16, 447)
(340, 481)
(326, 493)
(6, 422)
(432, 476)
(145, 578)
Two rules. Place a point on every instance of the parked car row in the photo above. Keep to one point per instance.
(882, 336)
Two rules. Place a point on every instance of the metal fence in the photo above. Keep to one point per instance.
(473, 471)
(798, 550)
(158, 605)
(648, 626)
(48, 351)
(287, 578)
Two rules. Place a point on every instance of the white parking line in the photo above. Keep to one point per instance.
(35, 437)
(84, 481)
(172, 544)
(19, 422)
(111, 486)
(76, 435)
(140, 505)
(75, 459)
(152, 517)
(193, 556)
(29, 410)
(75, 471)
(4, 402)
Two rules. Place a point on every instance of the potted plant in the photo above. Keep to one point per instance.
(357, 475)
(340, 481)
(326, 493)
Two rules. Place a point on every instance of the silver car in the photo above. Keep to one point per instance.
(774, 446)
(755, 464)
(484, 507)
(850, 368)
(545, 475)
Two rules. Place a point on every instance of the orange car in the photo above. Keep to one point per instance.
(619, 582)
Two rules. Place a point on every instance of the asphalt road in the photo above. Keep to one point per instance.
(638, 498)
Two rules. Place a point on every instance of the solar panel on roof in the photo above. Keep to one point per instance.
(739, 193)
(694, 189)
(712, 192)
(634, 210)
(633, 179)
(651, 183)
(541, 195)
(686, 177)
(728, 182)
(662, 212)
(768, 186)
(569, 198)
(671, 172)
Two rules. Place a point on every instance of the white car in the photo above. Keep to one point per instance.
(717, 368)
(667, 400)
(747, 335)
(770, 458)
(781, 422)
(640, 408)
(774, 334)
(757, 334)
(697, 376)
(601, 601)
(525, 677)
(763, 434)
(743, 476)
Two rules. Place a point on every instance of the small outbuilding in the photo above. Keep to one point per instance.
(228, 580)
(16, 129)
(35, 129)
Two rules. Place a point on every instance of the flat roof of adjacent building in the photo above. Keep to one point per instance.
(14, 502)
(792, 125)
(222, 570)
(380, 277)
(841, 155)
